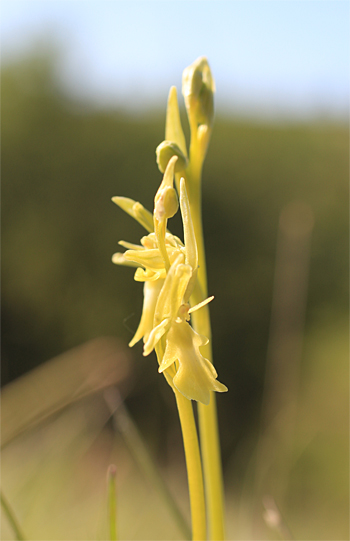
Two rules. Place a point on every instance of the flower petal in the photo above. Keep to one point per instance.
(148, 275)
(151, 291)
(136, 211)
(119, 259)
(171, 295)
(155, 335)
(147, 258)
(189, 237)
(130, 246)
(195, 376)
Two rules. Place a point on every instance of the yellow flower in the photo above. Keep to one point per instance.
(168, 269)
(195, 376)
(151, 271)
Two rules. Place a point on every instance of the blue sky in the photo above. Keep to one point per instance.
(269, 57)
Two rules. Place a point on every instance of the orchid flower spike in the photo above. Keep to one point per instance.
(168, 267)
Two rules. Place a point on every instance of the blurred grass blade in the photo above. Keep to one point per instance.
(284, 355)
(11, 518)
(127, 428)
(112, 502)
(79, 372)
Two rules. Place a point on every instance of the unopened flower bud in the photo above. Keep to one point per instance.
(165, 151)
(198, 89)
(166, 204)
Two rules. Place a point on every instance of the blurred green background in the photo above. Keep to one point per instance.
(62, 163)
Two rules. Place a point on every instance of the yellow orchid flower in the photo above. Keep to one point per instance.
(150, 270)
(195, 376)
(168, 269)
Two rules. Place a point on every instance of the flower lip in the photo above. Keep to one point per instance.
(195, 376)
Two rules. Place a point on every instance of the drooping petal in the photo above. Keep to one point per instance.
(170, 356)
(171, 295)
(155, 335)
(151, 291)
(195, 376)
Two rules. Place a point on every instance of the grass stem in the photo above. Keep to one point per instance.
(11, 518)
(112, 502)
(194, 467)
(208, 425)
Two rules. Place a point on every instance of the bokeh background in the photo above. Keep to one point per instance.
(84, 90)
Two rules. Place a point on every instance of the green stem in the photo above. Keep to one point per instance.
(210, 445)
(209, 434)
(11, 518)
(194, 467)
(112, 502)
(208, 425)
(192, 454)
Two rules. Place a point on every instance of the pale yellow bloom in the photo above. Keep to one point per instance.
(151, 271)
(168, 269)
(195, 376)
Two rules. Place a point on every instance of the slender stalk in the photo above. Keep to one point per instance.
(112, 502)
(194, 467)
(208, 425)
(11, 518)
(192, 455)
(210, 446)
